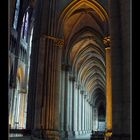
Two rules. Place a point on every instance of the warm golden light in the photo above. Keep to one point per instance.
(78, 3)
(108, 90)
(108, 134)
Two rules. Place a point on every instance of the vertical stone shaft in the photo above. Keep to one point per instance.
(108, 90)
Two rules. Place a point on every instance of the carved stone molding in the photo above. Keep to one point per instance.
(58, 42)
(107, 41)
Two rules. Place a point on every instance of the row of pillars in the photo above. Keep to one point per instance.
(65, 109)
(76, 110)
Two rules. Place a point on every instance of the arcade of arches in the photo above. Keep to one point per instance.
(69, 70)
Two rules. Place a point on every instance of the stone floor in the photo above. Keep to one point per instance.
(83, 137)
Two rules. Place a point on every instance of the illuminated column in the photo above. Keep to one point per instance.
(95, 118)
(78, 111)
(86, 116)
(94, 115)
(67, 101)
(82, 111)
(90, 118)
(73, 106)
(108, 86)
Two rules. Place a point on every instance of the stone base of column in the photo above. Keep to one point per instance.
(52, 134)
(71, 134)
(64, 134)
(45, 134)
(76, 133)
(67, 135)
(120, 137)
(84, 132)
(80, 132)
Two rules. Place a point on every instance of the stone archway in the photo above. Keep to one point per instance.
(83, 63)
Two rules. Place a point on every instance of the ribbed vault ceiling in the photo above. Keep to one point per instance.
(88, 64)
(84, 30)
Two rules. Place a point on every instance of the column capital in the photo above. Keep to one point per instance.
(58, 41)
(107, 41)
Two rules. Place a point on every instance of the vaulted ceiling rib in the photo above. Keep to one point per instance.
(84, 27)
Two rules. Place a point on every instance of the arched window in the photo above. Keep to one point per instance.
(16, 14)
(24, 28)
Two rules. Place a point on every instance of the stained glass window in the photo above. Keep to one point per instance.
(24, 28)
(16, 14)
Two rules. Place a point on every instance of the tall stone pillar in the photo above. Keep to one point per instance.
(121, 59)
(108, 90)
(67, 102)
(47, 121)
(82, 111)
(62, 98)
(73, 106)
(95, 119)
(80, 108)
(78, 88)
(86, 121)
(84, 118)
(90, 118)
(85, 115)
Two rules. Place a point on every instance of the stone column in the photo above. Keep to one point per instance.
(80, 108)
(108, 90)
(66, 102)
(84, 118)
(82, 111)
(62, 98)
(73, 106)
(47, 93)
(121, 60)
(71, 103)
(86, 121)
(95, 117)
(85, 124)
(88, 108)
(90, 118)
